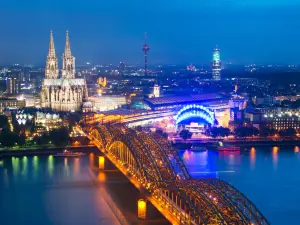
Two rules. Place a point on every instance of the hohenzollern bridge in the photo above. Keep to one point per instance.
(153, 166)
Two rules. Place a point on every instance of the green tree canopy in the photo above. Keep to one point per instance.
(59, 137)
(3, 121)
(185, 134)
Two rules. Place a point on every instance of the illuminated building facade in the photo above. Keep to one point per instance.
(43, 119)
(216, 64)
(282, 121)
(12, 86)
(218, 103)
(13, 103)
(104, 103)
(65, 93)
(156, 91)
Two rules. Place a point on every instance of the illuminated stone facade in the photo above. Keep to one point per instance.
(65, 93)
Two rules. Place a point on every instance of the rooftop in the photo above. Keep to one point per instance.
(184, 99)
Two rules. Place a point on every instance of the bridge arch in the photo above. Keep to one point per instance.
(152, 162)
(191, 111)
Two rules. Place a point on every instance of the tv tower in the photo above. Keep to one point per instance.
(146, 49)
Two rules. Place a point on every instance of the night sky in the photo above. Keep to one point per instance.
(179, 31)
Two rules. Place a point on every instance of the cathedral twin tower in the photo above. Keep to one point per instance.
(65, 92)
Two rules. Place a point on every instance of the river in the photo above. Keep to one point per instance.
(58, 191)
(269, 177)
(48, 190)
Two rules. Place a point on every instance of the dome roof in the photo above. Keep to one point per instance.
(87, 105)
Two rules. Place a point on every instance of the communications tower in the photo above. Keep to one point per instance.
(146, 49)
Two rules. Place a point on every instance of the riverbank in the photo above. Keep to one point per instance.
(45, 150)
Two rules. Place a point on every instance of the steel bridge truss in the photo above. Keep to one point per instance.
(152, 164)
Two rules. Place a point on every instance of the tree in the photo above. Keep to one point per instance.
(139, 128)
(59, 137)
(22, 140)
(8, 138)
(161, 133)
(218, 132)
(265, 131)
(42, 140)
(246, 131)
(3, 121)
(290, 132)
(185, 134)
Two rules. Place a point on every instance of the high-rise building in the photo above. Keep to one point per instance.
(12, 86)
(216, 64)
(156, 91)
(65, 93)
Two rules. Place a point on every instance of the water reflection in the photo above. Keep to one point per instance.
(15, 166)
(35, 163)
(37, 190)
(101, 176)
(275, 156)
(296, 149)
(92, 160)
(50, 165)
(24, 166)
(76, 167)
(66, 166)
(186, 155)
(252, 157)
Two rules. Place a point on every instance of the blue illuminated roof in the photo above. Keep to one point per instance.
(186, 99)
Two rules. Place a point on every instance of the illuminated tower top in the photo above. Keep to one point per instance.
(67, 45)
(51, 70)
(68, 67)
(145, 46)
(51, 52)
(216, 64)
(216, 54)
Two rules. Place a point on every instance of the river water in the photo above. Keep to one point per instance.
(48, 190)
(269, 177)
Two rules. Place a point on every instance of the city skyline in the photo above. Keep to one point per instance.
(110, 32)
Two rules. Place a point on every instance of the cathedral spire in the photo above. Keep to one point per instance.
(51, 71)
(51, 46)
(68, 61)
(67, 46)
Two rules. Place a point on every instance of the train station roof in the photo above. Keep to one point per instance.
(184, 99)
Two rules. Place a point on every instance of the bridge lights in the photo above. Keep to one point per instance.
(101, 162)
(142, 208)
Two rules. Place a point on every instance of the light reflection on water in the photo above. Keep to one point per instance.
(47, 190)
(268, 176)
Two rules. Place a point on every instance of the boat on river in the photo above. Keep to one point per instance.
(67, 153)
(198, 149)
(229, 148)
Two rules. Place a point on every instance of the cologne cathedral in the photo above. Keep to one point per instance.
(62, 91)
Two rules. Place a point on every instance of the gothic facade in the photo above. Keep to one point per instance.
(65, 92)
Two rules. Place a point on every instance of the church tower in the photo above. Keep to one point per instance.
(68, 61)
(51, 71)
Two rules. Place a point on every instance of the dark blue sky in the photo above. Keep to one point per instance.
(179, 31)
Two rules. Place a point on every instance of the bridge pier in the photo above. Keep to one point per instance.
(142, 208)
(101, 160)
